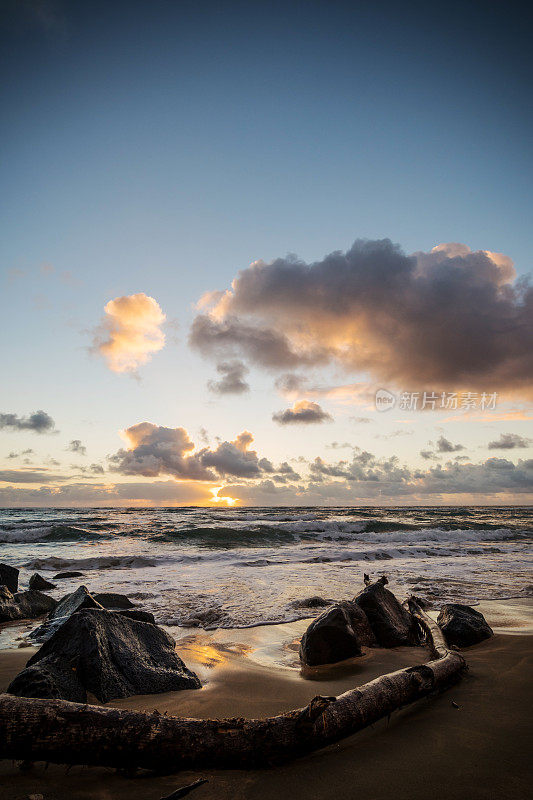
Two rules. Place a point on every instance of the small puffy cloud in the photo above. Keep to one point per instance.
(445, 446)
(97, 469)
(233, 378)
(27, 452)
(509, 441)
(401, 319)
(38, 422)
(130, 333)
(75, 446)
(303, 411)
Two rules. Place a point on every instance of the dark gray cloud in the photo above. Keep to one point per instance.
(38, 422)
(429, 455)
(445, 446)
(509, 441)
(233, 378)
(75, 446)
(302, 412)
(264, 346)
(447, 318)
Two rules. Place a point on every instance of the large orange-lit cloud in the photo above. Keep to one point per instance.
(154, 450)
(130, 333)
(451, 318)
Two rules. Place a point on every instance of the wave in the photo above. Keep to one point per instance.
(38, 533)
(97, 562)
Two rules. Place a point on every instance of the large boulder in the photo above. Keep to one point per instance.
(463, 625)
(34, 604)
(391, 624)
(9, 576)
(106, 654)
(69, 604)
(24, 605)
(113, 601)
(337, 634)
(38, 582)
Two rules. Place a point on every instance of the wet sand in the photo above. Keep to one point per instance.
(430, 750)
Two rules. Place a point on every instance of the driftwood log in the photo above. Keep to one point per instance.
(74, 733)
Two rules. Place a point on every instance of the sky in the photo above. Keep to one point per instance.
(226, 226)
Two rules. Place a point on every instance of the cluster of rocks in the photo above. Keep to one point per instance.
(375, 618)
(15, 605)
(93, 646)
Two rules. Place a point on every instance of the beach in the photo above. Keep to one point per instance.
(473, 741)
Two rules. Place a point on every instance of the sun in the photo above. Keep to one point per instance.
(230, 501)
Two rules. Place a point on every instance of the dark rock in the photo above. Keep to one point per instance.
(113, 601)
(68, 605)
(140, 616)
(463, 625)
(24, 605)
(204, 619)
(68, 575)
(9, 576)
(75, 601)
(5, 594)
(9, 610)
(107, 654)
(420, 601)
(38, 582)
(391, 624)
(311, 602)
(33, 603)
(335, 635)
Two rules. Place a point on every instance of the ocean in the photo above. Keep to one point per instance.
(212, 568)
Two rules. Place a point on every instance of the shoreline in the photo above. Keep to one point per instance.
(477, 750)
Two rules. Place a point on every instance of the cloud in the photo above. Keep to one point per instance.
(38, 422)
(155, 450)
(450, 318)
(445, 446)
(29, 476)
(97, 469)
(232, 382)
(27, 452)
(75, 446)
(302, 411)
(130, 333)
(118, 494)
(509, 441)
(429, 455)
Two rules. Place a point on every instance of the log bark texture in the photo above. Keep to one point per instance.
(73, 733)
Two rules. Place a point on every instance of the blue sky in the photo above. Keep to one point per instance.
(161, 147)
